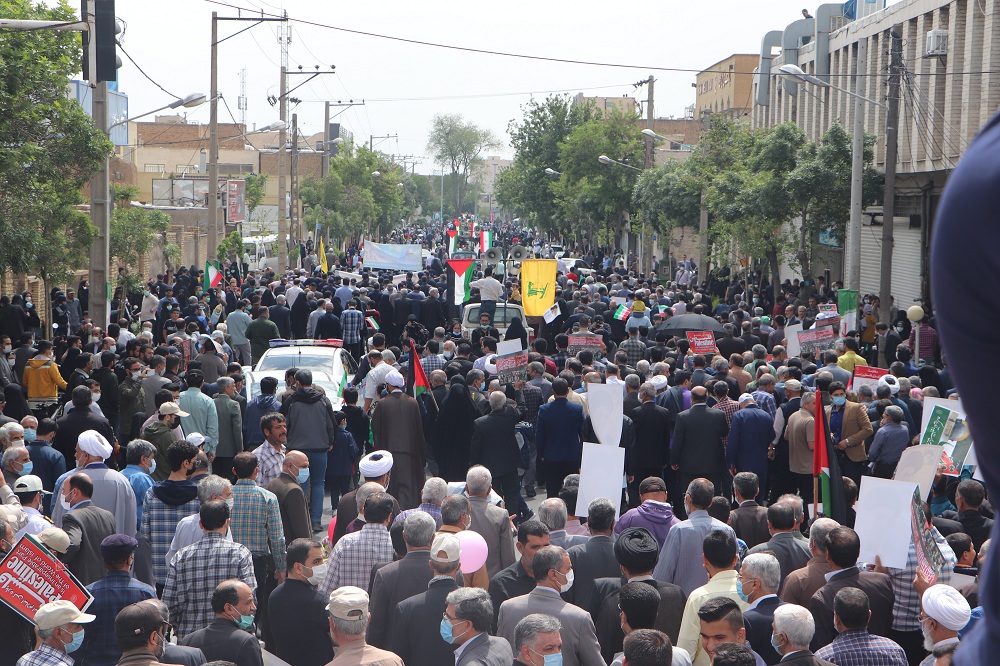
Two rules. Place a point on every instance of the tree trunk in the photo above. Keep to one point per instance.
(803, 254)
(772, 263)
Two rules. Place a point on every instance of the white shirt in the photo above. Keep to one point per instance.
(375, 377)
(489, 288)
(37, 523)
(188, 532)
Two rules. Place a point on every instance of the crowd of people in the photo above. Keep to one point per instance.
(195, 517)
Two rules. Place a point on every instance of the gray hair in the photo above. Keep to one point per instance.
(642, 367)
(498, 400)
(439, 377)
(6, 430)
(453, 508)
(537, 367)
(765, 567)
(895, 413)
(794, 501)
(647, 390)
(601, 514)
(658, 368)
(366, 490)
(478, 480)
(633, 381)
(553, 513)
(213, 484)
(475, 375)
(137, 450)
(11, 454)
(819, 530)
(796, 623)
(527, 630)
(434, 491)
(418, 530)
(350, 627)
(473, 603)
(222, 383)
(546, 559)
(865, 390)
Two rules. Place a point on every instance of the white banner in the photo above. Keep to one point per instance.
(395, 257)
(606, 407)
(602, 474)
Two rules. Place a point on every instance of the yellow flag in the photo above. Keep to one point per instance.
(322, 257)
(538, 286)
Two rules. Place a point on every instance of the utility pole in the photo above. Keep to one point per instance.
(283, 234)
(213, 144)
(293, 212)
(371, 140)
(857, 171)
(100, 215)
(889, 196)
(327, 148)
(646, 243)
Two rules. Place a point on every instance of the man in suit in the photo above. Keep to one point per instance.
(466, 624)
(792, 553)
(291, 499)
(296, 609)
(842, 549)
(758, 581)
(636, 551)
(552, 570)
(652, 425)
(415, 629)
(495, 448)
(557, 437)
(594, 558)
(968, 498)
(86, 526)
(402, 579)
(490, 521)
(749, 440)
(227, 638)
(749, 519)
(793, 629)
(553, 514)
(536, 637)
(849, 427)
(282, 317)
(632, 400)
(698, 449)
(230, 427)
(799, 586)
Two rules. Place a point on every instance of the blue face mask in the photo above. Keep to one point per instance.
(302, 476)
(739, 591)
(152, 467)
(550, 659)
(839, 400)
(75, 644)
(244, 622)
(446, 633)
(29, 435)
(26, 468)
(775, 644)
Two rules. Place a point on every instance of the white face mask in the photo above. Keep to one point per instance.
(64, 502)
(319, 573)
(563, 589)
(96, 397)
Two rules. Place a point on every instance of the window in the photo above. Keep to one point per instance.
(185, 168)
(154, 168)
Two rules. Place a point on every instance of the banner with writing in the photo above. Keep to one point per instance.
(30, 577)
(512, 367)
(702, 342)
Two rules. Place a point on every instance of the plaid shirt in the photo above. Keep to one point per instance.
(433, 509)
(112, 593)
(270, 462)
(432, 362)
(159, 522)
(766, 402)
(194, 574)
(906, 609)
(859, 648)
(635, 349)
(352, 322)
(533, 399)
(46, 656)
(256, 521)
(559, 358)
(354, 556)
(727, 406)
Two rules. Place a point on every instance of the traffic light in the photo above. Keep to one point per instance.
(100, 50)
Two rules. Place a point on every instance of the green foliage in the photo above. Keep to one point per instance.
(669, 196)
(133, 232)
(50, 147)
(230, 246)
(458, 146)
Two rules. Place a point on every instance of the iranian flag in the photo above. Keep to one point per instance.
(828, 485)
(622, 312)
(485, 240)
(418, 378)
(343, 384)
(213, 276)
(374, 324)
(464, 270)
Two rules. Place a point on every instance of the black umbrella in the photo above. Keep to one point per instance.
(680, 325)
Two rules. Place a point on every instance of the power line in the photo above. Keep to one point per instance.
(483, 95)
(141, 71)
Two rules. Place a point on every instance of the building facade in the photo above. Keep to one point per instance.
(726, 88)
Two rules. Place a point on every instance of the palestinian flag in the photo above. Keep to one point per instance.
(464, 271)
(826, 470)
(213, 276)
(374, 324)
(418, 378)
(485, 240)
(622, 313)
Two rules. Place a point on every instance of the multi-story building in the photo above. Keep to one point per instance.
(608, 104)
(949, 89)
(726, 88)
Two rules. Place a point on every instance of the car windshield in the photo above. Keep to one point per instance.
(285, 361)
(502, 317)
(331, 389)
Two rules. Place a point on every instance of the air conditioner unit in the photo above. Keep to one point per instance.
(937, 43)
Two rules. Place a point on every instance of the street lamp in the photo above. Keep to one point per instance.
(604, 159)
(552, 172)
(188, 101)
(653, 135)
(915, 314)
(796, 74)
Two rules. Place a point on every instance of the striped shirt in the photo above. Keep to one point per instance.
(256, 521)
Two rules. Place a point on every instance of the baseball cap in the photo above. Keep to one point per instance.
(652, 484)
(195, 438)
(348, 603)
(59, 612)
(55, 539)
(745, 398)
(446, 548)
(793, 385)
(29, 483)
(172, 408)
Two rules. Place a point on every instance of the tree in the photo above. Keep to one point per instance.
(669, 196)
(133, 232)
(51, 148)
(458, 145)
(256, 186)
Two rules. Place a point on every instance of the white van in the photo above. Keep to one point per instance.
(260, 252)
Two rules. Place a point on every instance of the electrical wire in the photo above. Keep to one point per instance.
(483, 95)
(143, 72)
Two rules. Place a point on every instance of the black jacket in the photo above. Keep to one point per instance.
(282, 318)
(758, 625)
(975, 524)
(603, 608)
(394, 583)
(652, 437)
(493, 443)
(881, 599)
(414, 629)
(698, 447)
(297, 612)
(222, 640)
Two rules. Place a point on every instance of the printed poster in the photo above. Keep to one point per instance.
(702, 342)
(30, 577)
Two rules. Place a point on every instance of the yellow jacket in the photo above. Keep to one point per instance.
(42, 378)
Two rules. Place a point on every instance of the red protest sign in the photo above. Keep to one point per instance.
(702, 342)
(30, 577)
(867, 375)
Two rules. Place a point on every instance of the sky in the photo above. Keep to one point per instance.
(404, 84)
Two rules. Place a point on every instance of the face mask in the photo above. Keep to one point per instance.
(30, 305)
(775, 643)
(244, 622)
(563, 589)
(136, 376)
(839, 400)
(302, 476)
(229, 503)
(29, 435)
(446, 632)
(6, 349)
(96, 397)
(152, 466)
(75, 644)
(900, 328)
(739, 591)
(550, 659)
(64, 502)
(26, 468)
(319, 573)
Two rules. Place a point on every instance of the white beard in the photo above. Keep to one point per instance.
(928, 639)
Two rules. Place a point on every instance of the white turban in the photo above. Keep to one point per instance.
(947, 606)
(659, 382)
(375, 464)
(93, 443)
(395, 378)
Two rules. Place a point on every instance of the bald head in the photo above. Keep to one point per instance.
(295, 461)
(699, 394)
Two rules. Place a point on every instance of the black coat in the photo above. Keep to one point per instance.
(881, 599)
(414, 630)
(698, 447)
(328, 327)
(297, 612)
(282, 318)
(652, 437)
(758, 625)
(603, 608)
(493, 443)
(432, 314)
(392, 584)
(222, 640)
(975, 524)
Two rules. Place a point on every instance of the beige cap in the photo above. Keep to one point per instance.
(446, 548)
(348, 603)
(55, 539)
(793, 385)
(172, 408)
(59, 612)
